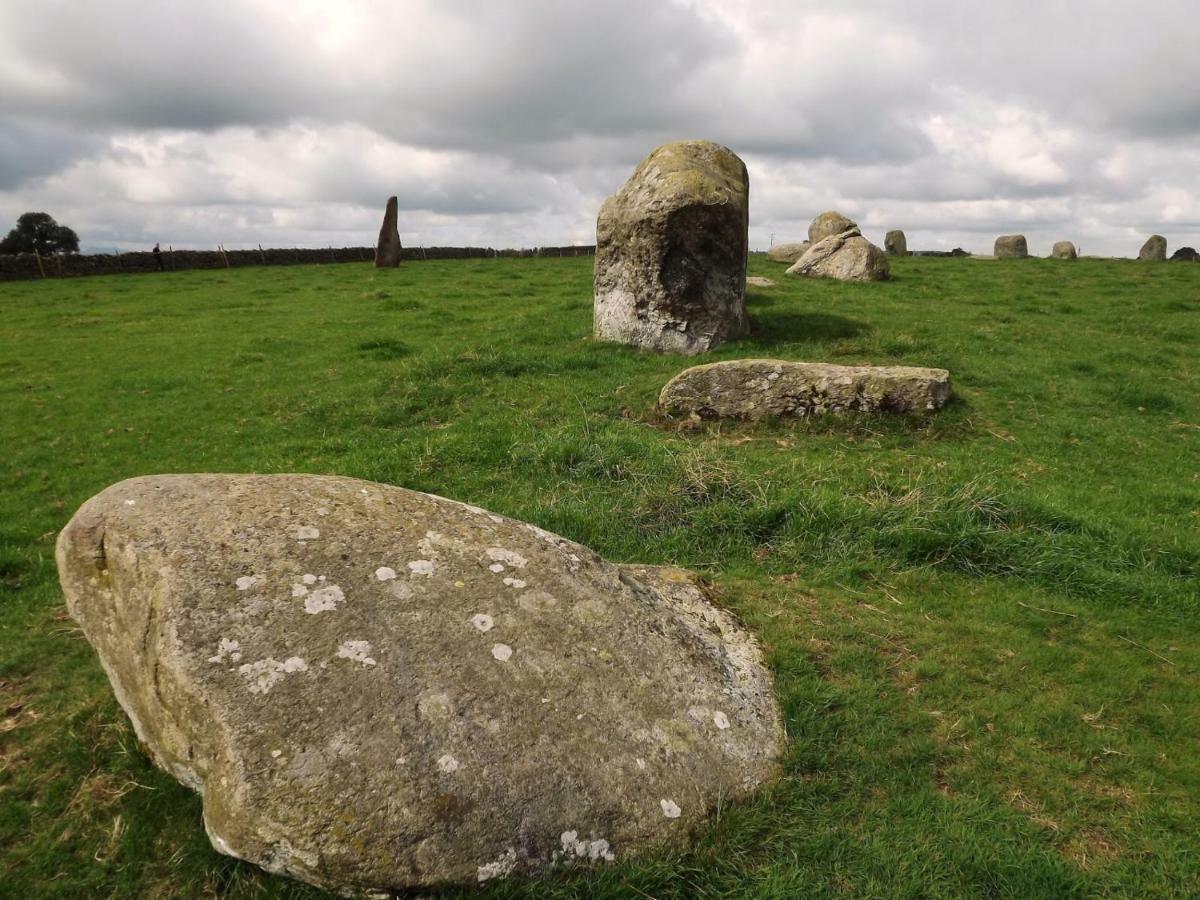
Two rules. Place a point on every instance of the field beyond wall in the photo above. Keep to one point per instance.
(983, 626)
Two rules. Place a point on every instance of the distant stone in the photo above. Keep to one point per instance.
(1011, 246)
(828, 224)
(387, 248)
(895, 243)
(754, 389)
(759, 281)
(1155, 249)
(788, 253)
(1063, 250)
(671, 244)
(847, 257)
(379, 690)
(1185, 254)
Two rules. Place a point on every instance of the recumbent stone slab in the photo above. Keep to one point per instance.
(376, 689)
(753, 389)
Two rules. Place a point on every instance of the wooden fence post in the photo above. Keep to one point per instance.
(262, 256)
(171, 250)
(58, 262)
(38, 257)
(221, 250)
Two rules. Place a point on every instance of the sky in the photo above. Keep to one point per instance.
(506, 124)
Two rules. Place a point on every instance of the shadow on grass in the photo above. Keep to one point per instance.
(773, 328)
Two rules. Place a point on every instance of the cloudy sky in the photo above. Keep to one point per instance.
(506, 123)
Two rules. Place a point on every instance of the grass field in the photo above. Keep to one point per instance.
(984, 626)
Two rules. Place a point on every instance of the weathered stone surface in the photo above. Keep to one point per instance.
(847, 256)
(895, 243)
(1063, 250)
(1185, 254)
(752, 389)
(1011, 246)
(375, 688)
(759, 281)
(387, 248)
(788, 253)
(827, 224)
(1155, 248)
(671, 248)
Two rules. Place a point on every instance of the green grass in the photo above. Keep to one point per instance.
(984, 626)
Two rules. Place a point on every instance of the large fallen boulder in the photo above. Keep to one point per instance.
(1063, 250)
(1155, 248)
(1185, 254)
(788, 253)
(377, 689)
(827, 224)
(847, 257)
(671, 244)
(753, 389)
(1011, 246)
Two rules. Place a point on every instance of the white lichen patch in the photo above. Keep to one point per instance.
(309, 579)
(508, 557)
(299, 590)
(385, 573)
(131, 503)
(593, 850)
(641, 764)
(447, 764)
(483, 622)
(421, 567)
(323, 599)
(502, 652)
(246, 582)
(496, 567)
(670, 809)
(720, 720)
(227, 649)
(307, 533)
(263, 675)
(514, 583)
(358, 651)
(498, 868)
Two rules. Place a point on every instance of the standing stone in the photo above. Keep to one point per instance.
(375, 689)
(387, 249)
(1064, 250)
(828, 224)
(1011, 246)
(671, 245)
(847, 257)
(788, 253)
(1155, 249)
(895, 243)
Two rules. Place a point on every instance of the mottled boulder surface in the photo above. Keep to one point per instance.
(827, 224)
(752, 389)
(1155, 248)
(1011, 246)
(387, 248)
(671, 245)
(847, 257)
(895, 243)
(788, 253)
(375, 688)
(1063, 250)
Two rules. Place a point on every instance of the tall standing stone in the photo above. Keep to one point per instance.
(387, 249)
(671, 248)
(1155, 249)
(895, 243)
(1011, 246)
(1063, 250)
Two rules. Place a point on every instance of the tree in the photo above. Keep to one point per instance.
(38, 231)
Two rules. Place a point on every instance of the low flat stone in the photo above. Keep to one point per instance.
(376, 689)
(759, 281)
(788, 253)
(753, 389)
